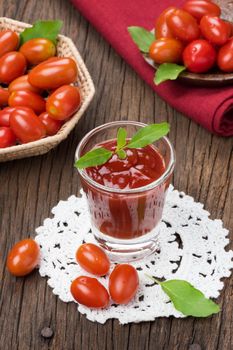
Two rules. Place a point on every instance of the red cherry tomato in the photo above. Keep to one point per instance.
(199, 56)
(89, 292)
(38, 50)
(9, 41)
(26, 125)
(63, 102)
(51, 125)
(215, 30)
(183, 25)
(93, 259)
(4, 95)
(5, 116)
(123, 283)
(27, 99)
(12, 65)
(22, 83)
(7, 137)
(53, 73)
(225, 57)
(166, 50)
(161, 28)
(200, 8)
(23, 257)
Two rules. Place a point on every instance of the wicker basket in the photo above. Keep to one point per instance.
(65, 47)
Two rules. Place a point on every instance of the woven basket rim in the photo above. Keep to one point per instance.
(51, 141)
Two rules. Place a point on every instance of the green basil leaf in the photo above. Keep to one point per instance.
(121, 138)
(121, 154)
(42, 29)
(95, 157)
(167, 71)
(142, 38)
(149, 134)
(189, 300)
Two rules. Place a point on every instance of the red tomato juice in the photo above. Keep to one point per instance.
(116, 211)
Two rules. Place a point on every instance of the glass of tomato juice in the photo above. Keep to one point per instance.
(126, 196)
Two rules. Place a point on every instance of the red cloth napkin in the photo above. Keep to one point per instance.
(210, 107)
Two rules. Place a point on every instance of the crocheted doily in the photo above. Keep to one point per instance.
(192, 247)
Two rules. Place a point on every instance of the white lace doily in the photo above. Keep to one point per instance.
(192, 247)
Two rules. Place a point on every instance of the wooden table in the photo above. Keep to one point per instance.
(29, 188)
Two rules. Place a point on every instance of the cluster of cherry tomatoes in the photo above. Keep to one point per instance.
(35, 92)
(88, 291)
(195, 36)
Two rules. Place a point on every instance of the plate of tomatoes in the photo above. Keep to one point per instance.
(192, 43)
(44, 87)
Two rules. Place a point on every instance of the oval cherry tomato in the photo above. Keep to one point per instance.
(38, 50)
(53, 73)
(7, 137)
(22, 83)
(23, 257)
(214, 29)
(199, 56)
(27, 99)
(93, 259)
(12, 65)
(5, 116)
(225, 57)
(4, 95)
(183, 25)
(166, 50)
(123, 283)
(51, 125)
(161, 28)
(26, 125)
(89, 292)
(200, 8)
(9, 41)
(63, 102)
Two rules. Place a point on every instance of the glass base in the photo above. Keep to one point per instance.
(128, 250)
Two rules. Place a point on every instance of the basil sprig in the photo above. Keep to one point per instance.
(42, 29)
(143, 137)
(143, 39)
(187, 299)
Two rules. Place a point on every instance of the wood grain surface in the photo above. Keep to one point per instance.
(30, 188)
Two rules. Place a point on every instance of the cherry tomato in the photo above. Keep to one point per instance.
(63, 102)
(23, 257)
(199, 56)
(225, 57)
(22, 83)
(26, 125)
(214, 29)
(93, 259)
(53, 73)
(12, 65)
(161, 28)
(51, 125)
(38, 50)
(7, 137)
(200, 8)
(183, 25)
(27, 99)
(9, 41)
(5, 116)
(166, 50)
(4, 95)
(89, 292)
(123, 283)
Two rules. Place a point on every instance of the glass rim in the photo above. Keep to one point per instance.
(104, 188)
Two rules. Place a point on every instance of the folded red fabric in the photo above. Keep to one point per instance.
(210, 107)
